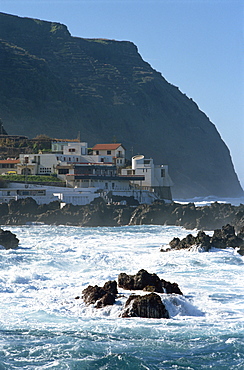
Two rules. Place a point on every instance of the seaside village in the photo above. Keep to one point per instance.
(86, 174)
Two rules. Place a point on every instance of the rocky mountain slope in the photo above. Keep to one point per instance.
(59, 85)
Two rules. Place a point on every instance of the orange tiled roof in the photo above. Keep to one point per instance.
(13, 161)
(107, 146)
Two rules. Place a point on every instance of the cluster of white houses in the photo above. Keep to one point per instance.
(101, 173)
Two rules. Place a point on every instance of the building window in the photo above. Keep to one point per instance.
(97, 152)
(71, 150)
(162, 172)
(112, 185)
(108, 152)
(63, 171)
(45, 170)
(146, 161)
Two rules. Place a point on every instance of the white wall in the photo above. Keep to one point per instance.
(39, 164)
(75, 149)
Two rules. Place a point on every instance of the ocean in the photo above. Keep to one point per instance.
(43, 326)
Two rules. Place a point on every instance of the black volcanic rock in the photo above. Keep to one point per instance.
(148, 306)
(144, 280)
(8, 240)
(101, 297)
(57, 84)
(222, 238)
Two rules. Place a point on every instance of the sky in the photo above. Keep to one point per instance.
(197, 45)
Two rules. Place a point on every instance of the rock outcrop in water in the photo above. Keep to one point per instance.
(143, 280)
(148, 305)
(222, 238)
(8, 240)
(59, 85)
(101, 297)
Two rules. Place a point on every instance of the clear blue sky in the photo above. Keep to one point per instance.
(197, 45)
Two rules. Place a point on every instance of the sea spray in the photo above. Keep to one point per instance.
(44, 326)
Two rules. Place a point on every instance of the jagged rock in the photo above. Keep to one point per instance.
(23, 206)
(174, 244)
(3, 209)
(8, 240)
(108, 299)
(171, 288)
(92, 293)
(222, 238)
(148, 306)
(203, 240)
(241, 233)
(225, 238)
(139, 281)
(111, 286)
(143, 280)
(100, 296)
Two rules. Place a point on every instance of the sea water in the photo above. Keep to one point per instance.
(43, 326)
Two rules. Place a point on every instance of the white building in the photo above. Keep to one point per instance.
(73, 153)
(68, 147)
(95, 174)
(75, 148)
(37, 164)
(47, 194)
(156, 176)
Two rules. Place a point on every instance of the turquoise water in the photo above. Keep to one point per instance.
(43, 326)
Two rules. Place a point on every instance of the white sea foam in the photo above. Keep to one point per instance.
(40, 280)
(206, 201)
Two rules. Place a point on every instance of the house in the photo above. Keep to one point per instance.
(115, 150)
(37, 164)
(156, 177)
(8, 166)
(69, 147)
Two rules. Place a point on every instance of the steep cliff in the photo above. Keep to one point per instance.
(60, 85)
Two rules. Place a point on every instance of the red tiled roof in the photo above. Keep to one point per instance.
(13, 161)
(107, 146)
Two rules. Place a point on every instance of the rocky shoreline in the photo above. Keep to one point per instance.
(222, 238)
(98, 213)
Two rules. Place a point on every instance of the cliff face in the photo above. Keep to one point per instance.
(60, 85)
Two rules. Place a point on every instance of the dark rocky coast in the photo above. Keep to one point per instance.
(98, 213)
(222, 238)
